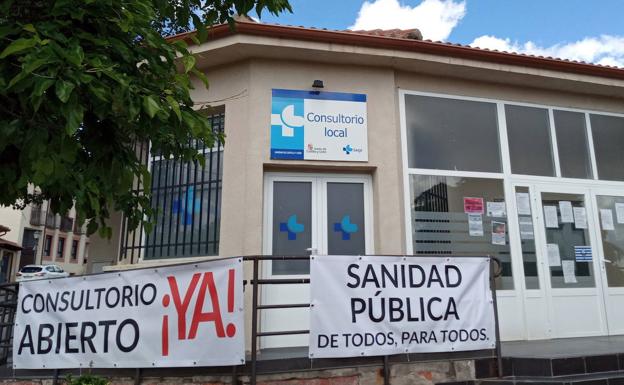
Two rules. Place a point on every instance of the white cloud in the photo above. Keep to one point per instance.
(605, 49)
(434, 18)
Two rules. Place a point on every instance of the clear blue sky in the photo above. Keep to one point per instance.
(545, 22)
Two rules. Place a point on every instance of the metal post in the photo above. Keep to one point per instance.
(137, 376)
(499, 356)
(234, 375)
(55, 378)
(254, 322)
(386, 370)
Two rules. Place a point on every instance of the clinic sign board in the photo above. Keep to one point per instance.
(315, 125)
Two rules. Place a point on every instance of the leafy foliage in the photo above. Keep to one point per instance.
(86, 379)
(83, 81)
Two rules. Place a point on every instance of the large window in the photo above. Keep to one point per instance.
(528, 131)
(608, 135)
(462, 217)
(449, 134)
(187, 199)
(572, 144)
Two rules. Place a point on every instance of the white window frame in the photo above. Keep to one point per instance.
(506, 176)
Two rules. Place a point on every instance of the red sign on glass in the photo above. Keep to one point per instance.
(473, 205)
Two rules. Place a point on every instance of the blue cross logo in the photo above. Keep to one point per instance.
(346, 227)
(187, 206)
(291, 227)
(347, 149)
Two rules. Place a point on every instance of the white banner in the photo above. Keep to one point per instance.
(184, 315)
(376, 305)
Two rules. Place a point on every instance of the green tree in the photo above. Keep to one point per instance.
(83, 81)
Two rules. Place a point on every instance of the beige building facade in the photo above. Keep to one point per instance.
(521, 136)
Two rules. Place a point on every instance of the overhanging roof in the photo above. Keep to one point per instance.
(398, 41)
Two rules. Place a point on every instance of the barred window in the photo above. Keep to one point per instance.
(187, 200)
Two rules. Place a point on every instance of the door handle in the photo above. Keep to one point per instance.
(603, 260)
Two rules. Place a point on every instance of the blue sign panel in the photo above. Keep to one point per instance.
(314, 125)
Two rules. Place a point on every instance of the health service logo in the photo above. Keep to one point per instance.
(287, 128)
(291, 227)
(346, 227)
(289, 119)
(347, 149)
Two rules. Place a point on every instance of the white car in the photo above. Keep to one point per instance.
(32, 272)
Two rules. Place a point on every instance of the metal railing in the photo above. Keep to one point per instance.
(8, 306)
(256, 281)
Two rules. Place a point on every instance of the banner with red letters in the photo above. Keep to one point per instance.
(183, 315)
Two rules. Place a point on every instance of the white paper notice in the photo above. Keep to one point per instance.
(550, 217)
(554, 259)
(524, 203)
(475, 225)
(565, 207)
(498, 233)
(606, 217)
(619, 212)
(568, 272)
(580, 218)
(526, 227)
(496, 209)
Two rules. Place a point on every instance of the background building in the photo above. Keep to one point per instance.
(46, 238)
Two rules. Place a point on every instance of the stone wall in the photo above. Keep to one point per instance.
(411, 373)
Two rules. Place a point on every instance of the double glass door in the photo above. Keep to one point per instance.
(308, 214)
(572, 245)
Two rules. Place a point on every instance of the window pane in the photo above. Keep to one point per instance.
(608, 135)
(450, 134)
(528, 132)
(345, 219)
(60, 247)
(442, 224)
(292, 225)
(613, 240)
(572, 144)
(527, 237)
(564, 238)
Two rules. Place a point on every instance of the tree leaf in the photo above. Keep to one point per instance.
(74, 55)
(150, 105)
(18, 46)
(202, 76)
(30, 28)
(64, 90)
(42, 85)
(174, 106)
(74, 118)
(189, 62)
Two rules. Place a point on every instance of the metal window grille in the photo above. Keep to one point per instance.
(187, 200)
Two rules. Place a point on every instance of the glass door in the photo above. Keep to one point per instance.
(573, 283)
(610, 232)
(308, 214)
(527, 209)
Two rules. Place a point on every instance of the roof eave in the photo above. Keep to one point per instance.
(428, 47)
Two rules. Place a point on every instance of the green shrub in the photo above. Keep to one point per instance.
(86, 379)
